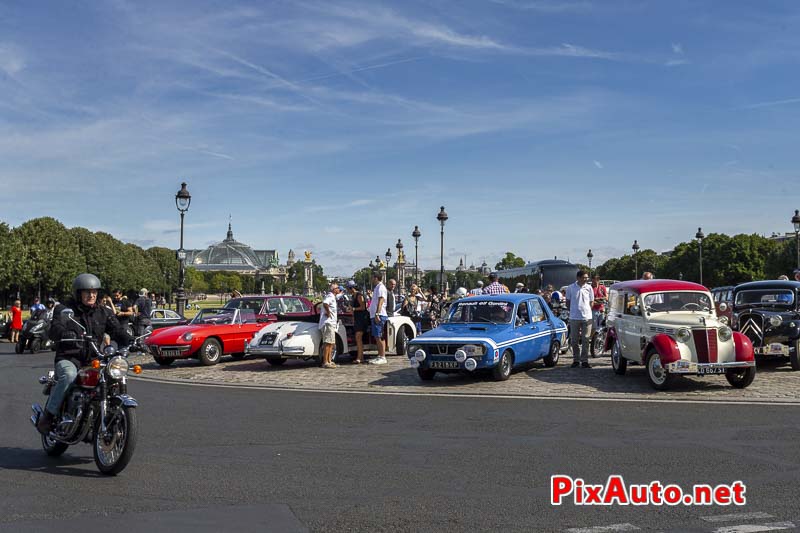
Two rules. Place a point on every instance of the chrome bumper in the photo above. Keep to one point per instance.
(274, 350)
(685, 367)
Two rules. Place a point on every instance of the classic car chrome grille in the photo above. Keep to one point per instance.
(705, 342)
(268, 339)
(444, 349)
(659, 329)
(752, 325)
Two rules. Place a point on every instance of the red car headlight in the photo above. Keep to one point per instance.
(187, 336)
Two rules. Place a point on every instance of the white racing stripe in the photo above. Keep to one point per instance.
(599, 529)
(736, 517)
(754, 528)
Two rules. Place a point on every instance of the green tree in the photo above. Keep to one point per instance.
(510, 261)
(195, 281)
(623, 268)
(54, 256)
(168, 266)
(15, 264)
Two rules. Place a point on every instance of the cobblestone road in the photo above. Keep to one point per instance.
(775, 382)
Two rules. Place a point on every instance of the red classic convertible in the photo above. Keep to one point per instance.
(215, 332)
(210, 335)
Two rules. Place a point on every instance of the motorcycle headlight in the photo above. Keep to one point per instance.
(683, 335)
(187, 336)
(775, 321)
(725, 333)
(117, 367)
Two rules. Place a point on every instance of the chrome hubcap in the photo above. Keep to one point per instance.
(506, 365)
(657, 371)
(109, 447)
(615, 356)
(212, 352)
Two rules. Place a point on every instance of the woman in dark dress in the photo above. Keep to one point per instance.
(361, 320)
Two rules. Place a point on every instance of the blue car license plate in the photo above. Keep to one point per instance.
(443, 365)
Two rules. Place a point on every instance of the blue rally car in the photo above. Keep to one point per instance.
(490, 332)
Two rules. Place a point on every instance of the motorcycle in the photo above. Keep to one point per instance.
(598, 342)
(96, 408)
(34, 334)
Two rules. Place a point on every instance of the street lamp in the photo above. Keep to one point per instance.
(635, 249)
(388, 256)
(796, 222)
(182, 201)
(400, 266)
(589, 256)
(416, 234)
(700, 236)
(442, 218)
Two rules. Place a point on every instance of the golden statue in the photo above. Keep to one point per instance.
(308, 256)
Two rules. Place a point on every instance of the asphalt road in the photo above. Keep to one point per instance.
(214, 459)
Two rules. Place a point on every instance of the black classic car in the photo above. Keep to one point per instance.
(768, 313)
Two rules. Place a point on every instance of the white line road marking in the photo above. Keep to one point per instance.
(748, 403)
(600, 529)
(754, 528)
(737, 516)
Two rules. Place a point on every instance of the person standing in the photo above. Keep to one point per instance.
(36, 306)
(797, 274)
(579, 299)
(412, 306)
(647, 275)
(328, 321)
(142, 306)
(16, 320)
(390, 297)
(494, 287)
(600, 300)
(378, 317)
(361, 322)
(477, 291)
(123, 307)
(520, 288)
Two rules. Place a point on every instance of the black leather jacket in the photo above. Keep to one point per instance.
(98, 320)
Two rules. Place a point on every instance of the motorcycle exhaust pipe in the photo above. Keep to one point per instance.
(37, 412)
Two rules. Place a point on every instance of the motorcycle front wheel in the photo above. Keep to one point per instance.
(113, 451)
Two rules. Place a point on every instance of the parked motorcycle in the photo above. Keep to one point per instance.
(96, 409)
(34, 335)
(598, 342)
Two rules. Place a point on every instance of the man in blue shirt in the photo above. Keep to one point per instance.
(37, 306)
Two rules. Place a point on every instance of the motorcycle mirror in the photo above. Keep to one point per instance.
(109, 351)
(67, 313)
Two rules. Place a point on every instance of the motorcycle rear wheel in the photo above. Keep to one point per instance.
(112, 456)
(36, 345)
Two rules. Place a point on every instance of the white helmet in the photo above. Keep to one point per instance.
(461, 292)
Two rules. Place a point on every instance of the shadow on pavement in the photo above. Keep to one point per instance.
(35, 460)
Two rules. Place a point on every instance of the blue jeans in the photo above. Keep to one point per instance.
(377, 327)
(66, 372)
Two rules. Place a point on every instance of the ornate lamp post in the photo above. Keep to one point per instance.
(381, 267)
(635, 249)
(700, 236)
(388, 256)
(796, 222)
(416, 234)
(182, 201)
(400, 265)
(442, 218)
(589, 256)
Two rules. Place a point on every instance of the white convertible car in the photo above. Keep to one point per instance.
(279, 341)
(301, 339)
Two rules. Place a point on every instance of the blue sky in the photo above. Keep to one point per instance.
(544, 127)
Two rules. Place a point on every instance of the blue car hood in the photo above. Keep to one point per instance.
(457, 332)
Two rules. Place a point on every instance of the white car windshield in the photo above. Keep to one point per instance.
(493, 312)
(214, 316)
(670, 302)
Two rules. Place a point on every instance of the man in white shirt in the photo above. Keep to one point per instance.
(378, 317)
(477, 291)
(328, 322)
(579, 299)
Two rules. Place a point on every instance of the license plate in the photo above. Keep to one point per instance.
(710, 370)
(170, 353)
(777, 348)
(444, 364)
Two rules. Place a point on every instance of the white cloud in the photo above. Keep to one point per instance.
(545, 6)
(11, 59)
(598, 164)
(677, 48)
(772, 103)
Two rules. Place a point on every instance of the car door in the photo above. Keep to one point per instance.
(630, 326)
(522, 344)
(542, 328)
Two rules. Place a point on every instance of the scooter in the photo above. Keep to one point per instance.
(34, 334)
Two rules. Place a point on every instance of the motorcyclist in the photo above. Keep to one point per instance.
(50, 307)
(98, 321)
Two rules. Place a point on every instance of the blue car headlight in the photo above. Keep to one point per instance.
(420, 355)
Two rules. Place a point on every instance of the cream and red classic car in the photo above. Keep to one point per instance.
(671, 327)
